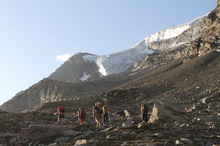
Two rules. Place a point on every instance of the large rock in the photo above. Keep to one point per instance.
(128, 122)
(165, 113)
(127, 113)
(41, 132)
(82, 142)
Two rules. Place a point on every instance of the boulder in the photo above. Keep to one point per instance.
(178, 142)
(204, 100)
(127, 113)
(82, 142)
(128, 122)
(165, 113)
(186, 141)
(41, 132)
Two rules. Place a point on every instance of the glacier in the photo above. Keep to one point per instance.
(121, 61)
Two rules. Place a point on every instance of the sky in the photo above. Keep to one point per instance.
(37, 36)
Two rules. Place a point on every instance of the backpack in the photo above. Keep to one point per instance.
(82, 112)
(105, 109)
(98, 110)
(61, 109)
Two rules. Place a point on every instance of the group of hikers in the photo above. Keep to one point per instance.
(100, 112)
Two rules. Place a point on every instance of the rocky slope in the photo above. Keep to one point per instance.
(184, 109)
(50, 91)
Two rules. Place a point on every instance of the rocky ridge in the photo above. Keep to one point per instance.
(210, 37)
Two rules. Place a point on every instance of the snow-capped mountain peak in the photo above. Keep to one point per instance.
(117, 62)
(172, 32)
(121, 61)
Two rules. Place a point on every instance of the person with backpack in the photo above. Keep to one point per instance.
(144, 112)
(106, 111)
(60, 114)
(97, 113)
(81, 115)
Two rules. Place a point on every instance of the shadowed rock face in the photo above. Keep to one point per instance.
(73, 69)
(42, 92)
(210, 38)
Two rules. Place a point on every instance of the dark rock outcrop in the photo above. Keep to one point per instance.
(210, 38)
(75, 68)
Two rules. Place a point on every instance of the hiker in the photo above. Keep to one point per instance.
(144, 112)
(60, 114)
(106, 111)
(97, 113)
(81, 115)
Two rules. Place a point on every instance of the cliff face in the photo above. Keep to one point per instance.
(210, 38)
(42, 92)
(47, 91)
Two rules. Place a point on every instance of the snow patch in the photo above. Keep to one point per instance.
(172, 32)
(135, 69)
(131, 74)
(89, 58)
(174, 45)
(166, 34)
(120, 62)
(84, 77)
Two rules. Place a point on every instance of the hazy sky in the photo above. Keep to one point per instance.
(34, 34)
